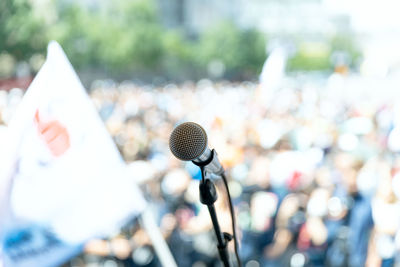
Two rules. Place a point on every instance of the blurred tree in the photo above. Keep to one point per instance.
(22, 32)
(126, 37)
(310, 56)
(71, 30)
(134, 38)
(178, 60)
(345, 46)
(122, 36)
(253, 52)
(241, 51)
(122, 39)
(338, 50)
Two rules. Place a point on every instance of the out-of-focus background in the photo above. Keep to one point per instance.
(310, 138)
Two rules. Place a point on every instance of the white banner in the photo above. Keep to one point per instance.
(67, 180)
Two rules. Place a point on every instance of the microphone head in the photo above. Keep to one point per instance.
(188, 141)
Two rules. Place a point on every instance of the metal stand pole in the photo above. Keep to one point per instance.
(208, 196)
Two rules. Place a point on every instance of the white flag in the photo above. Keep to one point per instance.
(67, 177)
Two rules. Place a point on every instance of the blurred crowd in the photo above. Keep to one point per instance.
(314, 177)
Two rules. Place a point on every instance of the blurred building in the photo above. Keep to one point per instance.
(273, 17)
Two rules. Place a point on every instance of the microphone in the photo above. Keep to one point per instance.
(188, 141)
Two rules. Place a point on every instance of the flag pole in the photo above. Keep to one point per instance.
(148, 222)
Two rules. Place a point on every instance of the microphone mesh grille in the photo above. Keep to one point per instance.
(188, 141)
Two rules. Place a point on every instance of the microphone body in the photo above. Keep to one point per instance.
(188, 141)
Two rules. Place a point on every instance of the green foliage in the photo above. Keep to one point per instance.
(345, 43)
(178, 59)
(310, 57)
(125, 38)
(71, 30)
(253, 51)
(22, 33)
(241, 51)
(130, 35)
(319, 55)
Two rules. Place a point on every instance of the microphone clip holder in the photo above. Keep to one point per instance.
(208, 196)
(211, 167)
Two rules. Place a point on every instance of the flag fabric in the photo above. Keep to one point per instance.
(272, 75)
(68, 182)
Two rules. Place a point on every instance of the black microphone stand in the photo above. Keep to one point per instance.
(208, 196)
